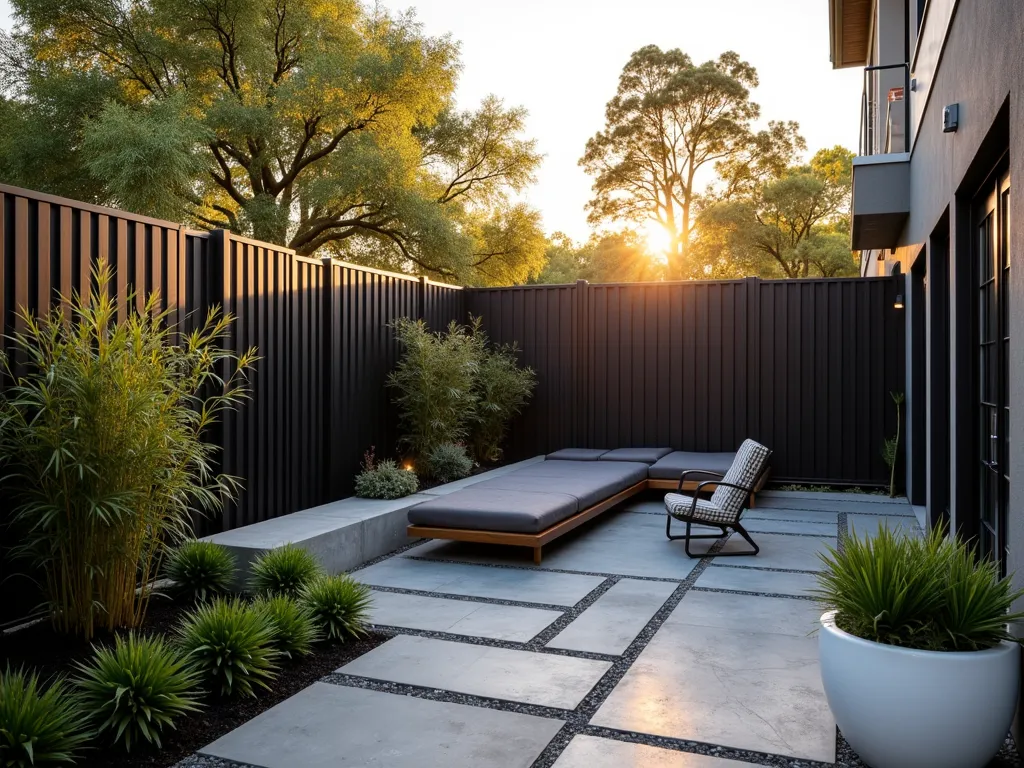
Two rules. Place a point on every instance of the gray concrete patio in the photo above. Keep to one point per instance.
(617, 651)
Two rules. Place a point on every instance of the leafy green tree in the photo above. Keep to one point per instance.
(669, 119)
(790, 223)
(307, 123)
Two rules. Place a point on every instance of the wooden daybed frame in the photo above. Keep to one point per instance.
(536, 541)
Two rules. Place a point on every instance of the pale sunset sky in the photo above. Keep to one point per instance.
(561, 60)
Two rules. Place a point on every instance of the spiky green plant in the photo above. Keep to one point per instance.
(284, 571)
(929, 593)
(201, 570)
(137, 688)
(446, 462)
(231, 644)
(295, 629)
(102, 440)
(340, 606)
(39, 725)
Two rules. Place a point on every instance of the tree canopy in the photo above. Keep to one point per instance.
(668, 119)
(615, 257)
(307, 123)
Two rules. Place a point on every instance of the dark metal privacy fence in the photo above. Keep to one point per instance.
(804, 366)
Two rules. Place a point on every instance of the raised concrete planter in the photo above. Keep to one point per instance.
(343, 534)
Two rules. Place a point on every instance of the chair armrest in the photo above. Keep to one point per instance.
(700, 487)
(682, 477)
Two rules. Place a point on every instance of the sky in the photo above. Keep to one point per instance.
(561, 59)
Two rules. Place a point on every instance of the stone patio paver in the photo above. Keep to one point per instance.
(620, 543)
(330, 726)
(530, 678)
(480, 581)
(867, 525)
(804, 515)
(732, 673)
(805, 528)
(796, 553)
(756, 580)
(460, 617)
(615, 618)
(595, 752)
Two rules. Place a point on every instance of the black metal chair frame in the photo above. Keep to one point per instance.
(691, 519)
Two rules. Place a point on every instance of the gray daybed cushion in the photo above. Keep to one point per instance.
(507, 511)
(628, 472)
(577, 454)
(646, 455)
(588, 487)
(671, 467)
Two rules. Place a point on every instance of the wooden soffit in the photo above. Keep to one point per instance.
(849, 33)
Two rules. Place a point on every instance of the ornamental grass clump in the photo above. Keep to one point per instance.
(39, 725)
(284, 571)
(929, 593)
(231, 644)
(384, 479)
(200, 570)
(295, 628)
(447, 462)
(340, 606)
(137, 688)
(102, 439)
(502, 391)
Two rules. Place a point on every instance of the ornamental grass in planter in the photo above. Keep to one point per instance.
(102, 441)
(917, 660)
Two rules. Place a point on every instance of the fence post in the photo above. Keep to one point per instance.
(421, 299)
(214, 288)
(753, 383)
(581, 419)
(329, 488)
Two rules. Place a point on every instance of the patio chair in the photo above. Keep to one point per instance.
(725, 507)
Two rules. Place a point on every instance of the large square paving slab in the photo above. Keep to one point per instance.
(799, 515)
(595, 752)
(459, 617)
(756, 580)
(530, 678)
(621, 543)
(615, 618)
(327, 726)
(479, 581)
(738, 672)
(802, 527)
(867, 526)
(796, 553)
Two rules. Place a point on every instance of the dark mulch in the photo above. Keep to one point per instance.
(40, 648)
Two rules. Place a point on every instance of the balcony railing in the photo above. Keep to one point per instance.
(876, 138)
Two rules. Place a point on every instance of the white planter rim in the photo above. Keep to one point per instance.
(828, 624)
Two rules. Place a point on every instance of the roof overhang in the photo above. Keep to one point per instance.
(849, 32)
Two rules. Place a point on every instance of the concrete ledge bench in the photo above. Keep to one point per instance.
(345, 533)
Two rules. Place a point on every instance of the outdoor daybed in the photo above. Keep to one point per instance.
(536, 504)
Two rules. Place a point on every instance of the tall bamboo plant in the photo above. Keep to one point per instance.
(103, 441)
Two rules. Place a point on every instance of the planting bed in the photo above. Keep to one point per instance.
(40, 648)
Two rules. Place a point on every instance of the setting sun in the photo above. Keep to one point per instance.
(657, 238)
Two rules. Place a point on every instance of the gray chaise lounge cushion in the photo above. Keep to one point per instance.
(577, 454)
(590, 485)
(495, 510)
(646, 455)
(672, 466)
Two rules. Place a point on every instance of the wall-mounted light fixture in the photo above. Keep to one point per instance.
(899, 301)
(950, 118)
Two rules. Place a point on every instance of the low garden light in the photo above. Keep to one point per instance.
(898, 304)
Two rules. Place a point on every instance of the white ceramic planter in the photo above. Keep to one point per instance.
(901, 708)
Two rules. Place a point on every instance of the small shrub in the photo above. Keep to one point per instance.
(137, 688)
(433, 384)
(340, 606)
(928, 593)
(39, 727)
(201, 570)
(284, 571)
(384, 479)
(447, 462)
(231, 644)
(295, 629)
(502, 391)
